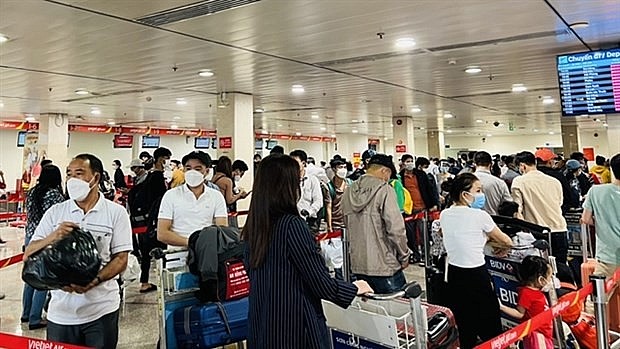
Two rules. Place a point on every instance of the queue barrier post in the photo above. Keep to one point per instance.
(600, 310)
(346, 259)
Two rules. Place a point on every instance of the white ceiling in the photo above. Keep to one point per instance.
(331, 47)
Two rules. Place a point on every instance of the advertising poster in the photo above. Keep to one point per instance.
(31, 166)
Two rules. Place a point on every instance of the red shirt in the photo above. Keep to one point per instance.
(534, 302)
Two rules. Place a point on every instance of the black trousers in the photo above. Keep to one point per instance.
(100, 334)
(474, 304)
(559, 247)
(145, 245)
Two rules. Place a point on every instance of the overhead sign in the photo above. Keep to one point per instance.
(401, 148)
(18, 125)
(226, 142)
(123, 141)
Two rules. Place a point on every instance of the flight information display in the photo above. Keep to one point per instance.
(590, 82)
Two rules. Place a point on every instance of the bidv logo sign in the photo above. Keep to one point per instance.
(502, 266)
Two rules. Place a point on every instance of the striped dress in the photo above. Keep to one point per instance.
(286, 291)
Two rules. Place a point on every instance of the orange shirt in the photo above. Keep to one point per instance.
(411, 184)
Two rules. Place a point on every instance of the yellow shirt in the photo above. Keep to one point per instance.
(540, 200)
(178, 178)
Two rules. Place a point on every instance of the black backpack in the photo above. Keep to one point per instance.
(216, 255)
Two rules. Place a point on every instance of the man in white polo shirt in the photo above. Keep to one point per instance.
(192, 206)
(87, 315)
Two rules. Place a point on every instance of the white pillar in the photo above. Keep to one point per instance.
(570, 139)
(53, 139)
(436, 144)
(403, 135)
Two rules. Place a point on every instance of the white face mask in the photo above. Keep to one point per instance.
(341, 172)
(409, 166)
(78, 189)
(194, 178)
(237, 178)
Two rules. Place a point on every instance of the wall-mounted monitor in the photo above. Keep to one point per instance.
(258, 144)
(590, 82)
(202, 143)
(21, 138)
(271, 143)
(150, 141)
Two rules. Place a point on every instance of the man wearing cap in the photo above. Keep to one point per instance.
(360, 171)
(376, 228)
(137, 168)
(545, 161)
(192, 206)
(540, 199)
(577, 192)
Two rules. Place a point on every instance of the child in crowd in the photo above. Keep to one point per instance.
(508, 209)
(536, 275)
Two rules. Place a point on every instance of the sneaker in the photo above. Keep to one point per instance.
(41, 324)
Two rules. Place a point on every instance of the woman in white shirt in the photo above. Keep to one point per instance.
(466, 229)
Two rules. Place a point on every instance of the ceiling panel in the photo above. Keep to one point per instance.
(331, 47)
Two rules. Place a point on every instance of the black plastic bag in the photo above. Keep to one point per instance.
(72, 260)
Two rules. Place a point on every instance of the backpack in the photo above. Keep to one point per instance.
(215, 255)
(407, 206)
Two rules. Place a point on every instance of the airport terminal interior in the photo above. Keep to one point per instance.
(430, 78)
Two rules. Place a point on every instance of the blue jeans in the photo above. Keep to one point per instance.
(385, 284)
(33, 301)
(32, 304)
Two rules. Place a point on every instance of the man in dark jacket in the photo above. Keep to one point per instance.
(544, 158)
(424, 196)
(366, 155)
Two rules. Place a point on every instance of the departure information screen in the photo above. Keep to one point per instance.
(590, 82)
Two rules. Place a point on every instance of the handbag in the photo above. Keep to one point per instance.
(71, 260)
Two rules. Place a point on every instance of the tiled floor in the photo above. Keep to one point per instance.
(138, 323)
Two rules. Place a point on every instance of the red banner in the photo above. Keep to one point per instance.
(10, 341)
(515, 334)
(225, 142)
(283, 137)
(192, 133)
(401, 148)
(329, 139)
(136, 130)
(19, 125)
(373, 141)
(316, 139)
(300, 138)
(11, 260)
(93, 129)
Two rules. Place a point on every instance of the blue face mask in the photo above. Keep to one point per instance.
(479, 200)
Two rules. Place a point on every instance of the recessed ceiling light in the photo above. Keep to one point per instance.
(176, 118)
(323, 128)
(385, 138)
(535, 130)
(354, 120)
(392, 125)
(548, 100)
(111, 123)
(596, 120)
(489, 135)
(605, 124)
(315, 116)
(580, 25)
(354, 131)
(1, 105)
(3, 38)
(518, 88)
(333, 136)
(449, 131)
(297, 133)
(421, 128)
(279, 125)
(448, 115)
(551, 132)
(298, 88)
(95, 111)
(259, 110)
(81, 91)
(415, 109)
(479, 121)
(405, 43)
(174, 127)
(473, 69)
(182, 101)
(30, 118)
(206, 73)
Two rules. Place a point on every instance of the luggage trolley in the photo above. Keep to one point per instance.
(389, 320)
(175, 289)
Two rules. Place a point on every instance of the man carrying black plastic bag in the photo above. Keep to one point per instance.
(87, 315)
